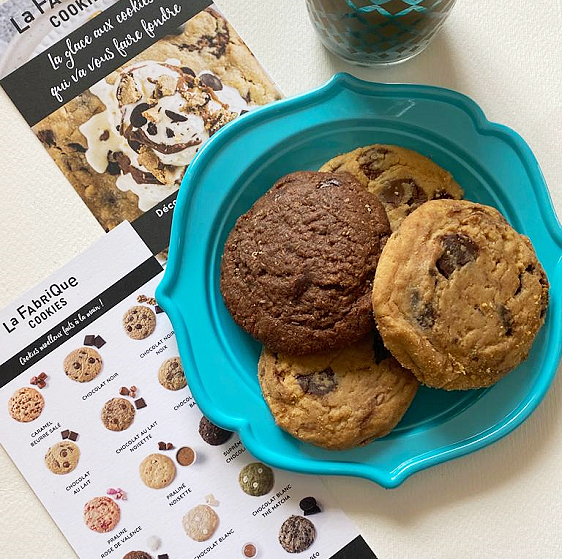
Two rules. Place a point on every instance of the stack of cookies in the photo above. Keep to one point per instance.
(369, 277)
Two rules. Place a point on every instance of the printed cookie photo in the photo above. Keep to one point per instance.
(83, 365)
(125, 143)
(26, 404)
(101, 514)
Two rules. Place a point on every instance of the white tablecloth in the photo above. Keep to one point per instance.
(502, 502)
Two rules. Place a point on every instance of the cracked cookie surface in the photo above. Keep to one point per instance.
(402, 179)
(459, 295)
(339, 399)
(297, 268)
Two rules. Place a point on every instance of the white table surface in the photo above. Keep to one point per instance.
(502, 502)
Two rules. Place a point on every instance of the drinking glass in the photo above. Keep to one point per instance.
(370, 32)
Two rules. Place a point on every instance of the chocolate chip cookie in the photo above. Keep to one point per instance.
(119, 155)
(62, 457)
(402, 179)
(83, 364)
(459, 295)
(339, 399)
(117, 414)
(171, 375)
(137, 555)
(297, 268)
(139, 322)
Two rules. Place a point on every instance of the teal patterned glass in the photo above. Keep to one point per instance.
(377, 31)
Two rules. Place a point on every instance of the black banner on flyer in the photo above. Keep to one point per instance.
(355, 549)
(93, 51)
(154, 226)
(76, 322)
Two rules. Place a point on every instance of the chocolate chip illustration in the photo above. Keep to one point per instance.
(188, 71)
(137, 119)
(169, 132)
(104, 136)
(318, 384)
(459, 250)
(211, 81)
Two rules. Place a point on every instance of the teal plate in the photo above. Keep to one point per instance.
(491, 162)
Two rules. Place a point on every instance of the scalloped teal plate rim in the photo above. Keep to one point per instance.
(165, 291)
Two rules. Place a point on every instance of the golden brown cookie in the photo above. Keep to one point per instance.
(26, 404)
(117, 414)
(459, 295)
(83, 364)
(157, 471)
(339, 399)
(139, 322)
(62, 457)
(101, 514)
(171, 375)
(401, 178)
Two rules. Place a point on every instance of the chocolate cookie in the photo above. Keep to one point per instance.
(83, 364)
(62, 457)
(117, 414)
(139, 322)
(340, 399)
(297, 268)
(171, 375)
(200, 523)
(157, 471)
(297, 534)
(213, 434)
(137, 555)
(256, 479)
(401, 178)
(26, 404)
(101, 514)
(459, 296)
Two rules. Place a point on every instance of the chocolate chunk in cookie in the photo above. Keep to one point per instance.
(458, 251)
(402, 179)
(297, 268)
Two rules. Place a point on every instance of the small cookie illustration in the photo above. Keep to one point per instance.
(200, 523)
(256, 479)
(117, 414)
(101, 514)
(137, 555)
(83, 364)
(157, 471)
(62, 457)
(171, 375)
(26, 404)
(213, 434)
(139, 322)
(297, 534)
